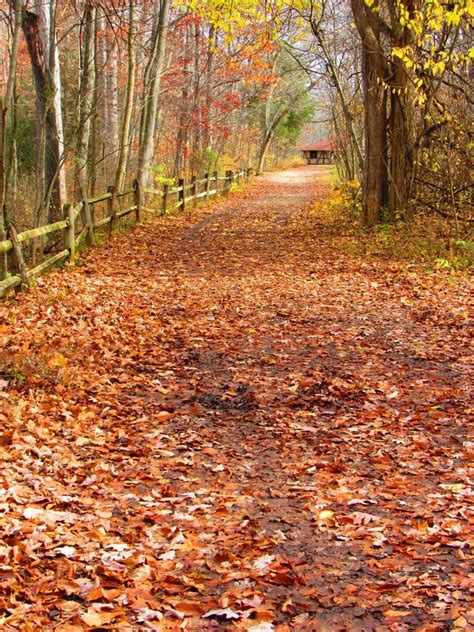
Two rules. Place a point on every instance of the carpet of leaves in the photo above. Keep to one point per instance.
(222, 420)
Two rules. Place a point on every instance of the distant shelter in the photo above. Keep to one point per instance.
(320, 153)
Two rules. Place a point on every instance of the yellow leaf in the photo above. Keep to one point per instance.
(453, 487)
(58, 360)
(326, 515)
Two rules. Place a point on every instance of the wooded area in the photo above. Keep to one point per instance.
(245, 401)
(113, 92)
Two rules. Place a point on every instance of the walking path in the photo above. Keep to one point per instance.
(224, 420)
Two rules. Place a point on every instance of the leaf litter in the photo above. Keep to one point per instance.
(224, 420)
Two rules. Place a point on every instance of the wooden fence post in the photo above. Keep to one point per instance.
(166, 191)
(216, 180)
(111, 207)
(181, 194)
(194, 189)
(208, 184)
(227, 182)
(138, 200)
(18, 256)
(70, 231)
(86, 216)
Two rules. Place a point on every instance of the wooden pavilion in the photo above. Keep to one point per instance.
(320, 153)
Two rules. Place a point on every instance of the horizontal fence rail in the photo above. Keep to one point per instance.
(79, 223)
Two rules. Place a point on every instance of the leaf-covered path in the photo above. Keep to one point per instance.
(223, 420)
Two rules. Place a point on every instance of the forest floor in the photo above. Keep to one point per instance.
(226, 419)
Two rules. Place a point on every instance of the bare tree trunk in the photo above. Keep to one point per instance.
(207, 135)
(183, 124)
(197, 114)
(374, 70)
(345, 156)
(39, 34)
(402, 118)
(375, 179)
(58, 108)
(402, 141)
(86, 101)
(129, 98)
(151, 94)
(268, 137)
(112, 98)
(92, 164)
(5, 105)
(101, 94)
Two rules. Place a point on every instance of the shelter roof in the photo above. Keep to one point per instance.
(322, 145)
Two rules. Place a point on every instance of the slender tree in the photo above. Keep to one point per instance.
(151, 92)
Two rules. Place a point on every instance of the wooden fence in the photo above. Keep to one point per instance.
(79, 224)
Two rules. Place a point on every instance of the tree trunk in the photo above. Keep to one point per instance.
(92, 164)
(128, 106)
(183, 125)
(86, 98)
(112, 104)
(6, 103)
(374, 71)
(375, 175)
(102, 110)
(268, 137)
(402, 140)
(207, 136)
(197, 114)
(151, 94)
(262, 155)
(37, 32)
(58, 108)
(402, 118)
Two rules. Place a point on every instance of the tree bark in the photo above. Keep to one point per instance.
(402, 140)
(374, 70)
(151, 94)
(124, 144)
(375, 174)
(5, 107)
(86, 102)
(184, 115)
(268, 137)
(197, 113)
(207, 135)
(402, 118)
(39, 34)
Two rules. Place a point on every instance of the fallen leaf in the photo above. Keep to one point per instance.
(223, 613)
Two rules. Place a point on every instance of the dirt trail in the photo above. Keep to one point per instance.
(225, 421)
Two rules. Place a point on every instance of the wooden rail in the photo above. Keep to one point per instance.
(78, 224)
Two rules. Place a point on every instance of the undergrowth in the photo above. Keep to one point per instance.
(439, 243)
